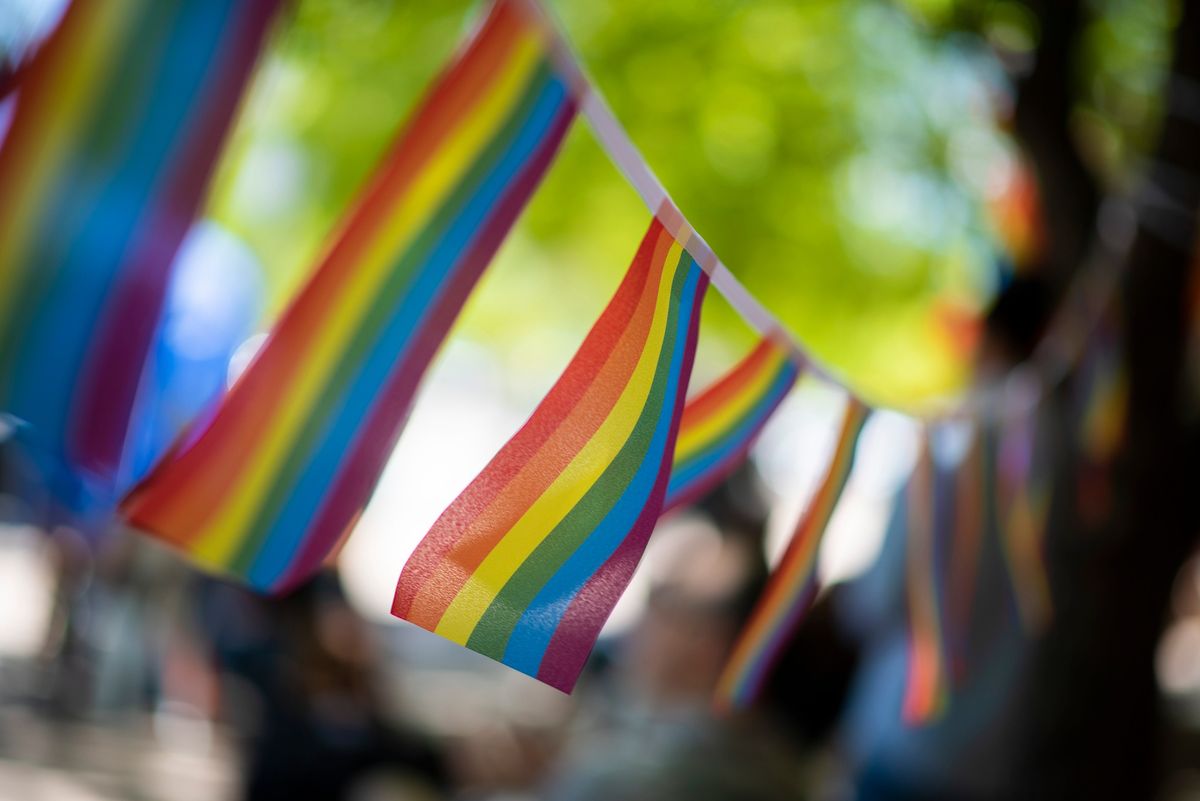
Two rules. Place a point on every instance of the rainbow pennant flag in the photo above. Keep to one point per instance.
(721, 423)
(267, 487)
(527, 563)
(793, 584)
(118, 121)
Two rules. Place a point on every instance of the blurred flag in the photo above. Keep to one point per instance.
(212, 304)
(117, 122)
(527, 563)
(1023, 501)
(721, 423)
(793, 583)
(267, 487)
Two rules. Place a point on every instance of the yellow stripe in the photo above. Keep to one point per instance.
(443, 173)
(568, 489)
(83, 67)
(697, 437)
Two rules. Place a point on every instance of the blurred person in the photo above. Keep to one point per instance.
(652, 735)
(1072, 711)
(300, 685)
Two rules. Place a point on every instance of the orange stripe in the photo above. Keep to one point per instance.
(482, 533)
(717, 396)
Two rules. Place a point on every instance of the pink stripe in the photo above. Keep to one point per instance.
(377, 438)
(580, 625)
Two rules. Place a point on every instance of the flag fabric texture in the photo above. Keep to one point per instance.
(793, 584)
(721, 424)
(527, 563)
(118, 121)
(268, 485)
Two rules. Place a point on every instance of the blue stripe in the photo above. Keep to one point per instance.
(533, 632)
(387, 356)
(99, 207)
(700, 466)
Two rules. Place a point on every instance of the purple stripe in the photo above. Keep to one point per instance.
(580, 625)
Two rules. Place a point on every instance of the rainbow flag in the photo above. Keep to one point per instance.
(793, 584)
(526, 564)
(117, 124)
(267, 487)
(721, 423)
(928, 536)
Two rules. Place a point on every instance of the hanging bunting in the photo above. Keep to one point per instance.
(929, 534)
(117, 123)
(721, 423)
(527, 563)
(268, 486)
(793, 584)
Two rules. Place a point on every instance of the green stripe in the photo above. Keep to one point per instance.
(380, 313)
(491, 634)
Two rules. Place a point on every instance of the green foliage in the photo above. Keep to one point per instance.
(833, 152)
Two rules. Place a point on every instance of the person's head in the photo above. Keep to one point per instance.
(696, 607)
(1014, 324)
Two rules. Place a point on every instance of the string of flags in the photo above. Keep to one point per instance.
(268, 485)
(793, 584)
(526, 564)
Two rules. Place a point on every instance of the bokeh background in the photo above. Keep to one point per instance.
(851, 161)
